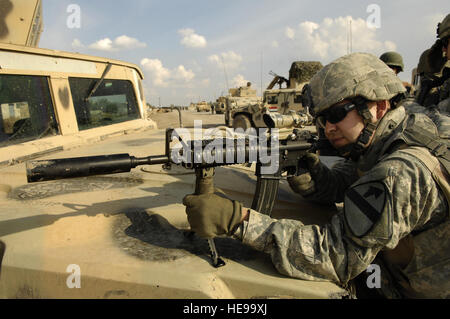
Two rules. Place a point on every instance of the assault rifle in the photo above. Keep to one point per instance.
(191, 155)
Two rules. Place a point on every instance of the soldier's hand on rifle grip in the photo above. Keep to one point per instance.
(212, 215)
(304, 184)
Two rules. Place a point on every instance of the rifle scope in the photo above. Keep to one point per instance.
(276, 120)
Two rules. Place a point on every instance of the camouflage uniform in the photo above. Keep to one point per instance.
(394, 211)
(411, 203)
(439, 92)
(444, 90)
(434, 70)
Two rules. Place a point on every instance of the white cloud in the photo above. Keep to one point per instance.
(163, 77)
(191, 39)
(328, 39)
(126, 42)
(289, 32)
(103, 45)
(158, 73)
(122, 42)
(76, 44)
(239, 80)
(230, 59)
(390, 46)
(181, 74)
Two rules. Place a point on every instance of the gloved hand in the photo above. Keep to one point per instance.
(212, 215)
(304, 184)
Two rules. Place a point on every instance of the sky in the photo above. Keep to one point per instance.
(196, 50)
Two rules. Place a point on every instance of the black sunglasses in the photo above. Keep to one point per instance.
(335, 114)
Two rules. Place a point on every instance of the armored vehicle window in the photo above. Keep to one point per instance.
(298, 98)
(272, 99)
(113, 102)
(26, 109)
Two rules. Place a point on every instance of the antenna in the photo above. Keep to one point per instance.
(349, 36)
(261, 72)
(225, 72)
(351, 39)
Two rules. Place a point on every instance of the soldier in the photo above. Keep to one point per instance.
(395, 213)
(435, 62)
(395, 61)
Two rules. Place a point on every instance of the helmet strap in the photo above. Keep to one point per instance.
(355, 150)
(361, 142)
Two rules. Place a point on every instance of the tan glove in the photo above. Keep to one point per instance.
(304, 184)
(212, 215)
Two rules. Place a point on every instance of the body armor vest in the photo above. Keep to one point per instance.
(418, 136)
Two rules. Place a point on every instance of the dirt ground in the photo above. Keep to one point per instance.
(171, 119)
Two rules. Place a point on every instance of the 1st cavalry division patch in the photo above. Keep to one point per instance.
(363, 206)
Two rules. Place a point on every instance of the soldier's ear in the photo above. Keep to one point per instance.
(382, 108)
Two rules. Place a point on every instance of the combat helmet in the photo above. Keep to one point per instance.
(443, 28)
(355, 74)
(393, 59)
(359, 77)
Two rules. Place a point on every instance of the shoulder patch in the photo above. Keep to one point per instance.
(363, 206)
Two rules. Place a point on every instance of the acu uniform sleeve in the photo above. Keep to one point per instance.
(380, 209)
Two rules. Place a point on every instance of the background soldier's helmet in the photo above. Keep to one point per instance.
(443, 29)
(356, 74)
(393, 59)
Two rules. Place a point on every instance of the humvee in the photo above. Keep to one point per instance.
(220, 105)
(203, 106)
(238, 98)
(49, 97)
(121, 235)
(282, 100)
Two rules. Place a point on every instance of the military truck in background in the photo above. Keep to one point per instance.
(220, 105)
(48, 97)
(192, 107)
(203, 106)
(285, 99)
(237, 99)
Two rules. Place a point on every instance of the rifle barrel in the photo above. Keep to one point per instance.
(52, 169)
(45, 170)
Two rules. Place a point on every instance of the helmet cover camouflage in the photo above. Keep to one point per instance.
(393, 59)
(443, 29)
(356, 74)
